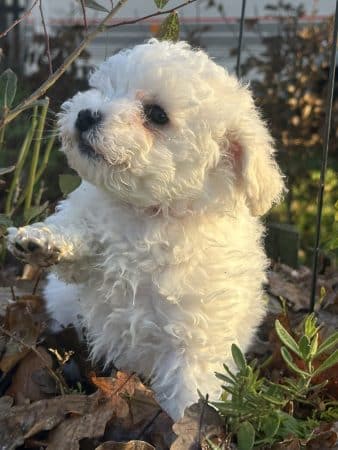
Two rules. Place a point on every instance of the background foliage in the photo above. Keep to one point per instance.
(290, 82)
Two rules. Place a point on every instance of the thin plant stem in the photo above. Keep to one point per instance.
(84, 15)
(25, 14)
(46, 156)
(35, 158)
(38, 196)
(2, 137)
(46, 39)
(20, 162)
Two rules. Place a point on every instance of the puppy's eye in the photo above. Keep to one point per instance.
(155, 114)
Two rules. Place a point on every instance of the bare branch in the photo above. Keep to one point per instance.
(14, 24)
(149, 16)
(46, 38)
(84, 15)
(28, 102)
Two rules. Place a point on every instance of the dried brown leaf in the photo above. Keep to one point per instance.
(91, 425)
(138, 415)
(23, 325)
(115, 388)
(131, 445)
(323, 440)
(200, 421)
(22, 422)
(24, 384)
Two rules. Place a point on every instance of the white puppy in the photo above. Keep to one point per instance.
(159, 253)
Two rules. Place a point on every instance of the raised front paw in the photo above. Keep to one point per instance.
(33, 244)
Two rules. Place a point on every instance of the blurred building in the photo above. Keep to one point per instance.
(213, 28)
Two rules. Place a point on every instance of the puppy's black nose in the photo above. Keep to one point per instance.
(87, 119)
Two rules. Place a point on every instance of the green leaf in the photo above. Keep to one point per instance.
(161, 3)
(314, 346)
(223, 377)
(288, 360)
(331, 341)
(329, 362)
(310, 325)
(91, 4)
(170, 28)
(228, 371)
(5, 222)
(270, 425)
(286, 338)
(35, 211)
(245, 436)
(238, 357)
(68, 183)
(4, 170)
(8, 83)
(304, 347)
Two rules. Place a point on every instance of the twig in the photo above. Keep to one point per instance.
(13, 293)
(148, 424)
(205, 402)
(12, 114)
(37, 281)
(16, 22)
(84, 15)
(59, 381)
(59, 72)
(46, 38)
(149, 16)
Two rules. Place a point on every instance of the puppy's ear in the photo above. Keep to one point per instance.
(251, 150)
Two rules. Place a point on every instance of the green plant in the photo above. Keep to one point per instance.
(24, 183)
(259, 412)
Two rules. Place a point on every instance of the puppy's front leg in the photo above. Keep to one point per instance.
(45, 245)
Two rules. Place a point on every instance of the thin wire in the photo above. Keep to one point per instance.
(240, 39)
(328, 114)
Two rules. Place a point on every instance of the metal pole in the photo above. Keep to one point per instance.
(328, 114)
(240, 39)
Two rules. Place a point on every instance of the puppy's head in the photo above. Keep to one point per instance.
(164, 126)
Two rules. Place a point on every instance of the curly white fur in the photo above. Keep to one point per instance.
(159, 252)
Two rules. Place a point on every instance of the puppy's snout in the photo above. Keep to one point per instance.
(87, 119)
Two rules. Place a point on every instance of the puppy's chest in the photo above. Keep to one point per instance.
(143, 248)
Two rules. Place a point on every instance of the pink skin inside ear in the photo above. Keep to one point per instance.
(236, 151)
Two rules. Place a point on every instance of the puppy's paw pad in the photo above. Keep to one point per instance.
(34, 246)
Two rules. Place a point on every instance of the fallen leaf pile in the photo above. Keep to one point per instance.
(51, 397)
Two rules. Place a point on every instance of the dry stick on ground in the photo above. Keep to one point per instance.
(12, 114)
(46, 39)
(37, 281)
(14, 24)
(149, 424)
(57, 378)
(200, 424)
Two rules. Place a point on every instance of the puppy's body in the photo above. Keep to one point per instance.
(159, 254)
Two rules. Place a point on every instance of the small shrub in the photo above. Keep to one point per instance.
(260, 412)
